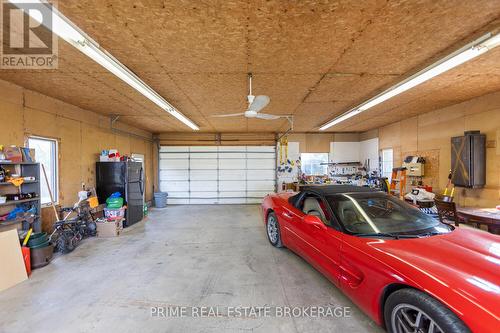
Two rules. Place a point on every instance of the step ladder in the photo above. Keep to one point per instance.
(398, 182)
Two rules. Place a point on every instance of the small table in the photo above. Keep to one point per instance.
(485, 216)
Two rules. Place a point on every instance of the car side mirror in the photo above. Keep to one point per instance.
(315, 221)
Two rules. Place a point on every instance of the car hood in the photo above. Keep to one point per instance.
(465, 260)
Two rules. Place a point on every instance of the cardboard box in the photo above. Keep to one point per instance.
(12, 268)
(110, 228)
(13, 154)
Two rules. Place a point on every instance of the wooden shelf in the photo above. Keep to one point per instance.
(25, 182)
(15, 202)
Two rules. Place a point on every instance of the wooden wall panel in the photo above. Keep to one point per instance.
(429, 135)
(81, 135)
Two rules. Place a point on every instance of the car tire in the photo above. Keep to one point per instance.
(273, 230)
(404, 306)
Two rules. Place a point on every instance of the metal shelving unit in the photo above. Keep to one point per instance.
(25, 169)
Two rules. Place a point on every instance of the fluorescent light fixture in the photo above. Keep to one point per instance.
(466, 53)
(65, 29)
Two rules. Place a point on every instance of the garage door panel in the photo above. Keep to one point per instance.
(201, 186)
(237, 149)
(225, 155)
(234, 164)
(260, 185)
(167, 164)
(203, 174)
(203, 155)
(174, 175)
(174, 156)
(211, 174)
(261, 164)
(231, 175)
(268, 156)
(175, 186)
(261, 175)
(258, 194)
(203, 164)
(232, 186)
(259, 149)
(204, 195)
(173, 201)
(233, 194)
(174, 149)
(232, 201)
(194, 149)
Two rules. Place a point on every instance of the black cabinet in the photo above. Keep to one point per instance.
(468, 160)
(126, 178)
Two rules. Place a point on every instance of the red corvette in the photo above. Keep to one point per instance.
(406, 270)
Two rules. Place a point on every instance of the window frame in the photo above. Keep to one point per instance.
(383, 161)
(55, 161)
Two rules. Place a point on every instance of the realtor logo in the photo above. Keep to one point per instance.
(27, 38)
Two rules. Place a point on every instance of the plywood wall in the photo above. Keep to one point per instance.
(82, 135)
(431, 132)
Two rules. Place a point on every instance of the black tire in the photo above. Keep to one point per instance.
(61, 243)
(410, 299)
(274, 238)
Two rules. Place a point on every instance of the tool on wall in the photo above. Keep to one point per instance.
(449, 185)
(285, 164)
(53, 204)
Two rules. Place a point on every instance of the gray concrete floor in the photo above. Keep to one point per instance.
(180, 256)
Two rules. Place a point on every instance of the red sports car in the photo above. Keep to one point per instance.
(406, 270)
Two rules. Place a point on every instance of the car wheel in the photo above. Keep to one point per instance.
(409, 310)
(273, 230)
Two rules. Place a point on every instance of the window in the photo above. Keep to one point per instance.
(314, 164)
(387, 163)
(46, 154)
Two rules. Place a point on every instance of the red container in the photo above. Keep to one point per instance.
(27, 259)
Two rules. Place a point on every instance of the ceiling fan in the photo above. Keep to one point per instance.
(255, 105)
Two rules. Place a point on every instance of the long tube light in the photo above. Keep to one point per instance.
(466, 53)
(67, 30)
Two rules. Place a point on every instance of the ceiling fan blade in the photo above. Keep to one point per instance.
(227, 115)
(267, 116)
(259, 103)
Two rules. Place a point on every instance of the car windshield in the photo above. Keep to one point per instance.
(379, 213)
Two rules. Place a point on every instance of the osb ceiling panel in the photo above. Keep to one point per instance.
(315, 59)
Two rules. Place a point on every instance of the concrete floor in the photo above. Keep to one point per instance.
(180, 256)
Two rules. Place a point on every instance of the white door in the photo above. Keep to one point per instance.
(217, 175)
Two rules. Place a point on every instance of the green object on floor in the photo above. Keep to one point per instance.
(37, 239)
(114, 202)
(145, 210)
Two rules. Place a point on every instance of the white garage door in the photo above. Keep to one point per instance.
(211, 175)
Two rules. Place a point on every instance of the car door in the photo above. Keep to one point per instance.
(328, 245)
(321, 247)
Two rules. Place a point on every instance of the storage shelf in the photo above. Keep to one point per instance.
(25, 182)
(15, 221)
(18, 163)
(15, 202)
